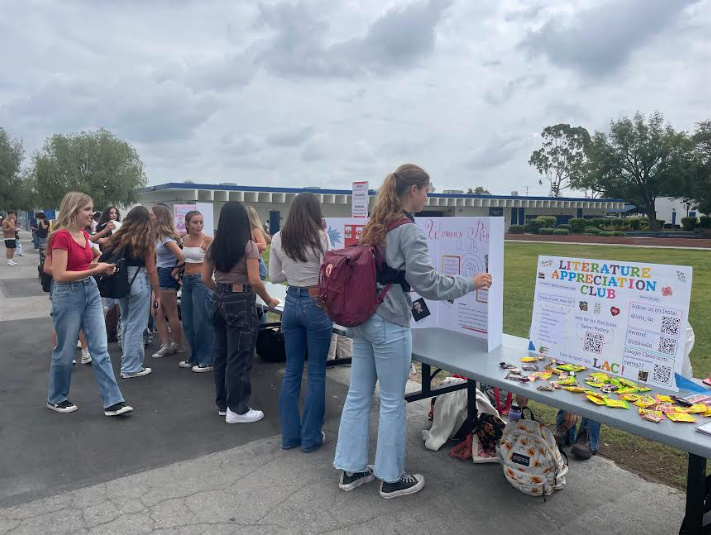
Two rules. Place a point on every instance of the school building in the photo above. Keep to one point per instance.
(272, 204)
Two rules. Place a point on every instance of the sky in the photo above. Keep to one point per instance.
(320, 93)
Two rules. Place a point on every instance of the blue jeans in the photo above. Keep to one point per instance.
(263, 270)
(305, 326)
(77, 305)
(195, 308)
(593, 430)
(134, 318)
(382, 351)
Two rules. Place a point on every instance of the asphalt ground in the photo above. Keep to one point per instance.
(174, 418)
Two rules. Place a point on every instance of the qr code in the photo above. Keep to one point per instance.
(662, 374)
(667, 345)
(593, 342)
(670, 325)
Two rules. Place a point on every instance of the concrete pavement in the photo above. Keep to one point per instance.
(173, 467)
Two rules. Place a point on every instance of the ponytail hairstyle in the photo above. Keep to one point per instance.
(68, 210)
(164, 227)
(388, 208)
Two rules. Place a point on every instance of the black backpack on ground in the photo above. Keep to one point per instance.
(116, 286)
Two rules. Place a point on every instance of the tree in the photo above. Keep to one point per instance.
(640, 161)
(562, 157)
(16, 191)
(479, 190)
(700, 188)
(96, 162)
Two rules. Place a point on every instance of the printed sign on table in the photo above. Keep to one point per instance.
(462, 246)
(625, 318)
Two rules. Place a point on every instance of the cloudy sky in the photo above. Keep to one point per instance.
(324, 92)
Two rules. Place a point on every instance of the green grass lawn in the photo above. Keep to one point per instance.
(640, 455)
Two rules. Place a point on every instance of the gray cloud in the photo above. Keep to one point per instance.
(503, 94)
(290, 138)
(600, 40)
(397, 40)
(319, 148)
(497, 151)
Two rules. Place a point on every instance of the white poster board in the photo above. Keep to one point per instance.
(625, 318)
(179, 211)
(461, 246)
(359, 199)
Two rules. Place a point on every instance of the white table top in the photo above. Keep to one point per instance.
(467, 356)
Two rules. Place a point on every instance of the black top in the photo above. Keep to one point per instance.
(131, 261)
(42, 232)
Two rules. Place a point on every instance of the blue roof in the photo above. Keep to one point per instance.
(260, 189)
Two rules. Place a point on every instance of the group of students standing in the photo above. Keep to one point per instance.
(221, 279)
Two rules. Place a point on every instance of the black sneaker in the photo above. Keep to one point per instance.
(353, 480)
(117, 409)
(407, 484)
(581, 449)
(64, 406)
(562, 435)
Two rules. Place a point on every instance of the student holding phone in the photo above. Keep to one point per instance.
(76, 303)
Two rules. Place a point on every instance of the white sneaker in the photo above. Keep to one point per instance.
(85, 356)
(185, 364)
(165, 350)
(222, 413)
(202, 369)
(139, 373)
(11, 263)
(248, 417)
(78, 344)
(176, 348)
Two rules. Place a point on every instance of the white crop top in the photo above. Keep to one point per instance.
(194, 255)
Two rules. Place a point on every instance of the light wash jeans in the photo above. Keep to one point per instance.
(305, 326)
(195, 305)
(134, 318)
(77, 305)
(593, 430)
(382, 351)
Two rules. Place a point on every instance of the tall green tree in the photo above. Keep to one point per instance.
(479, 190)
(700, 190)
(640, 160)
(561, 159)
(16, 188)
(95, 162)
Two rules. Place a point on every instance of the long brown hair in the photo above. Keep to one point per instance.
(302, 229)
(388, 208)
(164, 227)
(135, 230)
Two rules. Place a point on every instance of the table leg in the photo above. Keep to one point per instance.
(472, 414)
(426, 380)
(695, 495)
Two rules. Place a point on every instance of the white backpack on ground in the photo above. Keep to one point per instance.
(531, 459)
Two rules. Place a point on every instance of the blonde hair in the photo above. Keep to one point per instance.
(164, 227)
(254, 220)
(68, 211)
(388, 208)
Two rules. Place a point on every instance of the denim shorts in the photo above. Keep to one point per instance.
(166, 280)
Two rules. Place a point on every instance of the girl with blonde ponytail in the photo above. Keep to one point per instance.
(382, 346)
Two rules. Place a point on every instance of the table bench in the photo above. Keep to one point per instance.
(467, 356)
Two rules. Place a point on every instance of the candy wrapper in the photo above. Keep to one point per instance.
(664, 399)
(516, 377)
(507, 366)
(574, 389)
(568, 381)
(594, 384)
(617, 403)
(529, 368)
(600, 377)
(707, 414)
(681, 417)
(645, 402)
(632, 398)
(530, 359)
(651, 416)
(698, 408)
(627, 390)
(546, 388)
(596, 400)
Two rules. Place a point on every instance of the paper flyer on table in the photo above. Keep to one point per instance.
(625, 318)
(461, 246)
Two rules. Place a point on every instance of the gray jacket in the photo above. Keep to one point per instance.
(406, 248)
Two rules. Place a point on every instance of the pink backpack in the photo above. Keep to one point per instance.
(347, 282)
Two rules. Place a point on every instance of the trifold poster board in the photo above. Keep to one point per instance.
(205, 209)
(461, 246)
(625, 318)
